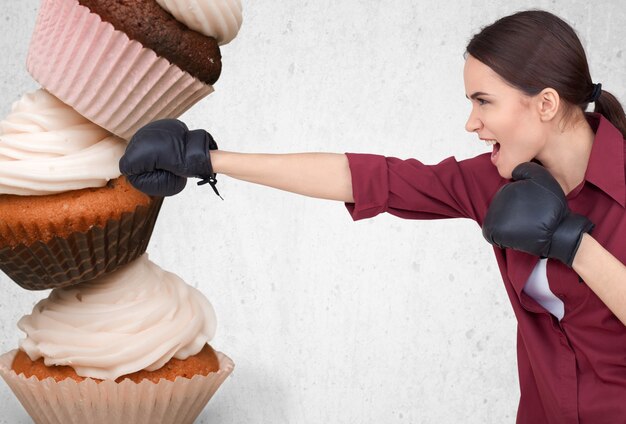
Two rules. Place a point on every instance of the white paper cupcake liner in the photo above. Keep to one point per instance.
(108, 78)
(71, 402)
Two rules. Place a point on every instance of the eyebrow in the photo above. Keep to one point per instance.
(476, 94)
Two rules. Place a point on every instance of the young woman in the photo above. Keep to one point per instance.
(551, 197)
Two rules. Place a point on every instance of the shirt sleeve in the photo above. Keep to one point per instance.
(409, 189)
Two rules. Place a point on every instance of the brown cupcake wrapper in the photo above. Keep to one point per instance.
(108, 402)
(82, 256)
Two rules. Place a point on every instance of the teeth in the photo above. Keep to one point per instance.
(490, 142)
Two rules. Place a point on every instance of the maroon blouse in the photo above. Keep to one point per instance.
(572, 371)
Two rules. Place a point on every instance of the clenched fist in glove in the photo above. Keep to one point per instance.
(531, 214)
(163, 154)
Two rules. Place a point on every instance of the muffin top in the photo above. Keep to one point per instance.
(46, 147)
(31, 219)
(135, 318)
(203, 363)
(149, 24)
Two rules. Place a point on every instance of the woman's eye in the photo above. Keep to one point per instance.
(481, 101)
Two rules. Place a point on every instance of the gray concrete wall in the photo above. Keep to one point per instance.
(379, 321)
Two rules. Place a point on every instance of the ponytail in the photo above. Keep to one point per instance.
(609, 107)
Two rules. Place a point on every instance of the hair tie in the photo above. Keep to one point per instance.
(595, 94)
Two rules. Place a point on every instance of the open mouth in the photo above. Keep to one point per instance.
(495, 153)
(496, 149)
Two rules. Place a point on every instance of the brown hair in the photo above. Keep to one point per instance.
(535, 49)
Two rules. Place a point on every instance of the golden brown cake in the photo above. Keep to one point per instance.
(202, 363)
(27, 219)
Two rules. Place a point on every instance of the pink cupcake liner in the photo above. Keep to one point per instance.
(110, 79)
(108, 402)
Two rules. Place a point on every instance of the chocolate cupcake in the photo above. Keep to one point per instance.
(147, 22)
(123, 64)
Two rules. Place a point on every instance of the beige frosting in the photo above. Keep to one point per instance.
(220, 19)
(47, 147)
(138, 317)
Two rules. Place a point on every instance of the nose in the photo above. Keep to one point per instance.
(473, 124)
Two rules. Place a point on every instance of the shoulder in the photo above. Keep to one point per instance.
(480, 169)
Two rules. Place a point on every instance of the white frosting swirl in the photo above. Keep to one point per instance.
(220, 19)
(135, 318)
(47, 147)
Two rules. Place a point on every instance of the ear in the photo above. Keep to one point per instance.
(547, 102)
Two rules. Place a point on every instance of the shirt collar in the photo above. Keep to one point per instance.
(605, 169)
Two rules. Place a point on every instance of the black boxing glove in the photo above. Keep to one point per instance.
(531, 214)
(163, 154)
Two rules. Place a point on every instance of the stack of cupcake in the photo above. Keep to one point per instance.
(118, 339)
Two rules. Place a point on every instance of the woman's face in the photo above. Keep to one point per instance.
(504, 115)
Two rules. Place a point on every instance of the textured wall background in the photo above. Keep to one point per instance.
(327, 320)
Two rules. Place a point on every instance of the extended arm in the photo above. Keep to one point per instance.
(321, 175)
(163, 154)
(603, 273)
